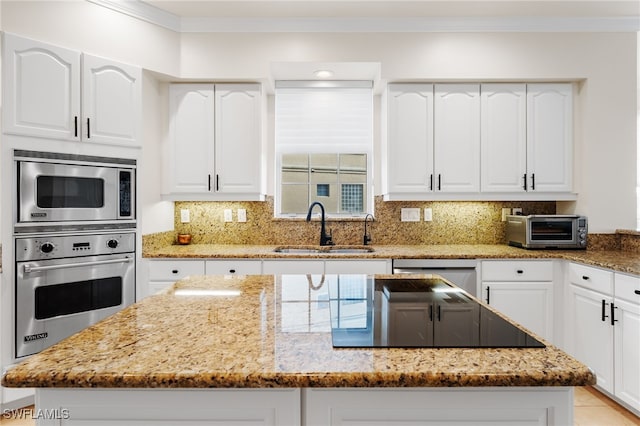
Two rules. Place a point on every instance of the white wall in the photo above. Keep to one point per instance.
(604, 64)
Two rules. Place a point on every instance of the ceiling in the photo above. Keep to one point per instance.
(397, 9)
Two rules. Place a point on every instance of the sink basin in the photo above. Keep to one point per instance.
(324, 249)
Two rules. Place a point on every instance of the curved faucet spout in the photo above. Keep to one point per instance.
(325, 239)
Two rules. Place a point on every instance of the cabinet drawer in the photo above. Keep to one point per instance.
(627, 287)
(172, 270)
(293, 267)
(233, 266)
(591, 278)
(356, 267)
(517, 270)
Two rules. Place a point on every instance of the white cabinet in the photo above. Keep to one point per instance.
(233, 267)
(523, 291)
(57, 93)
(627, 339)
(163, 273)
(550, 137)
(503, 137)
(215, 142)
(457, 138)
(603, 329)
(409, 139)
(329, 266)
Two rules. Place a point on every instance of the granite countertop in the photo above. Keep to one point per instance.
(252, 341)
(622, 261)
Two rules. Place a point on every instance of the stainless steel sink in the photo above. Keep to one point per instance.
(324, 249)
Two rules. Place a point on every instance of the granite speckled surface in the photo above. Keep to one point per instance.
(618, 260)
(173, 341)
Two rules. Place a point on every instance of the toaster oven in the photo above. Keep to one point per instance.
(547, 231)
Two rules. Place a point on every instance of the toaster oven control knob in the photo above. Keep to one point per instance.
(47, 247)
(112, 244)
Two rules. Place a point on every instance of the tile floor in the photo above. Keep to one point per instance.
(591, 409)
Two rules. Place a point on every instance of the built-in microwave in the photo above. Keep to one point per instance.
(66, 190)
(547, 231)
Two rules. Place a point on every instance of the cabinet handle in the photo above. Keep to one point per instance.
(232, 271)
(175, 271)
(520, 272)
(209, 182)
(613, 314)
(533, 181)
(584, 277)
(217, 182)
(439, 182)
(524, 180)
(439, 315)
(431, 313)
(604, 310)
(75, 124)
(637, 292)
(88, 128)
(488, 295)
(431, 182)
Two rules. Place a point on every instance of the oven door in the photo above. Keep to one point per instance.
(57, 298)
(553, 231)
(51, 192)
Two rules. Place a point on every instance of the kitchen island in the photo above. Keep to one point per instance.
(257, 349)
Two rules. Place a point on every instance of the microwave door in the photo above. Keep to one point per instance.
(61, 193)
(560, 231)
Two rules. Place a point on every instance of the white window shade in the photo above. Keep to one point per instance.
(324, 119)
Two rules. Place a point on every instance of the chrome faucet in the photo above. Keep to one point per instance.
(325, 239)
(367, 238)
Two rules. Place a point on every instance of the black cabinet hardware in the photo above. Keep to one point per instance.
(637, 292)
(604, 310)
(175, 271)
(431, 182)
(75, 124)
(431, 313)
(533, 181)
(524, 180)
(613, 314)
(488, 291)
(584, 277)
(88, 128)
(439, 181)
(439, 314)
(217, 182)
(520, 271)
(232, 271)
(209, 182)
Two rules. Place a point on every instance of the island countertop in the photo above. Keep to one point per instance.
(187, 337)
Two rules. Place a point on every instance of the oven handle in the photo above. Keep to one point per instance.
(29, 269)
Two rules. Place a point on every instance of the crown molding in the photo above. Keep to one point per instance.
(146, 12)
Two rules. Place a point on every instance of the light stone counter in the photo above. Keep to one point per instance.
(622, 261)
(248, 341)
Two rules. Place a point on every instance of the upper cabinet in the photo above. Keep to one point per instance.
(56, 93)
(478, 142)
(215, 142)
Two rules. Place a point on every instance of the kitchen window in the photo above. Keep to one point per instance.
(324, 147)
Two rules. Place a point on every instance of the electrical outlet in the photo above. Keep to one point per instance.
(184, 216)
(517, 210)
(410, 215)
(505, 212)
(428, 214)
(228, 215)
(242, 215)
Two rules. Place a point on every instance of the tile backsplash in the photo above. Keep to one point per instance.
(453, 223)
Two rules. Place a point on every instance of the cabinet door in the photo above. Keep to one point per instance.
(590, 339)
(503, 137)
(550, 137)
(41, 85)
(190, 149)
(400, 322)
(238, 134)
(457, 138)
(527, 303)
(111, 101)
(627, 352)
(455, 324)
(410, 138)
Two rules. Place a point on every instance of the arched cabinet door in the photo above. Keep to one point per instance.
(41, 89)
(111, 98)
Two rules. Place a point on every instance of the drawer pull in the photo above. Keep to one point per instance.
(232, 271)
(520, 271)
(175, 271)
(637, 292)
(604, 310)
(488, 295)
(584, 277)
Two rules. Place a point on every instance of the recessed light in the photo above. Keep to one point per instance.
(323, 73)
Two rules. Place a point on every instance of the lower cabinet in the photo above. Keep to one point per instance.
(603, 329)
(163, 273)
(523, 291)
(233, 267)
(330, 266)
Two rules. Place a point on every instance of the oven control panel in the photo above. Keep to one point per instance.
(62, 246)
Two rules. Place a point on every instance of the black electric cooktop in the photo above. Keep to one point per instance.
(420, 313)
